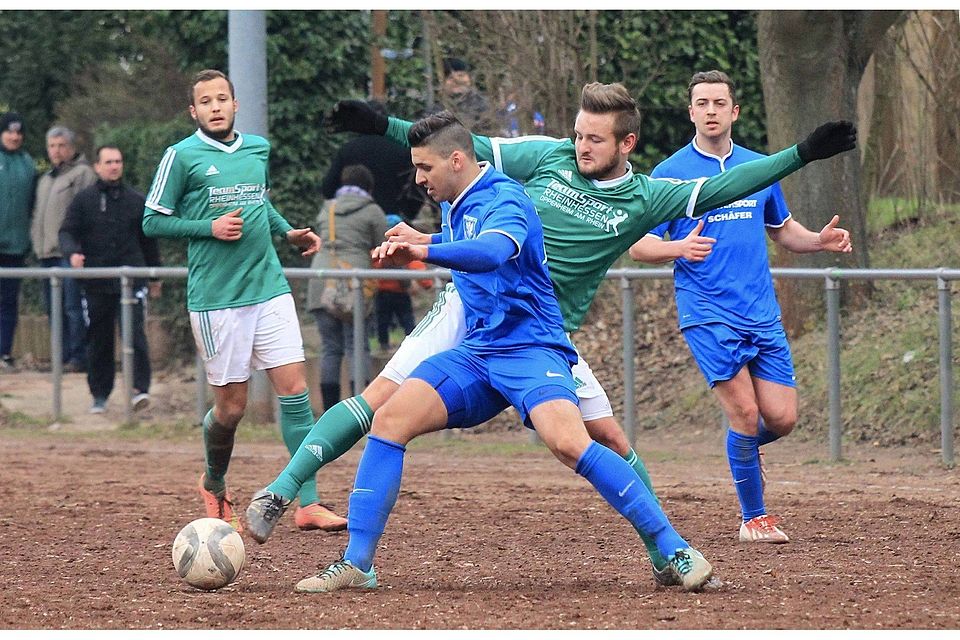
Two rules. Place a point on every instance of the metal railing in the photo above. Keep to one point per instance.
(831, 278)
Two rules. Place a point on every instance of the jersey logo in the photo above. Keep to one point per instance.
(566, 173)
(469, 226)
(615, 221)
(551, 374)
(212, 171)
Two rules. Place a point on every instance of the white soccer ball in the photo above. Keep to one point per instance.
(208, 554)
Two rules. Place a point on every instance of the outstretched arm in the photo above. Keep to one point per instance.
(676, 198)
(655, 250)
(795, 237)
(484, 253)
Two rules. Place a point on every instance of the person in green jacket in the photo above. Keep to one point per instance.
(17, 177)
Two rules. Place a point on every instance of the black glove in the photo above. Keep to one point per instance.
(828, 140)
(356, 116)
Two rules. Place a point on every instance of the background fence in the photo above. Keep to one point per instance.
(831, 278)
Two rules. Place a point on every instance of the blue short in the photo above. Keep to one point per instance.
(721, 351)
(476, 386)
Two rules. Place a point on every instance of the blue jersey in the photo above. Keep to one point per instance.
(513, 305)
(733, 285)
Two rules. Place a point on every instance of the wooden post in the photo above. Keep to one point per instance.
(378, 67)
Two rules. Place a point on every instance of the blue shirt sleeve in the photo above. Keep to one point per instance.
(775, 211)
(477, 255)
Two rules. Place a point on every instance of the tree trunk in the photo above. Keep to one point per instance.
(811, 63)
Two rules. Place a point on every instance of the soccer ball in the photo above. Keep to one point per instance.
(208, 554)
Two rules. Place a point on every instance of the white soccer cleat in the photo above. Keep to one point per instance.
(340, 575)
(763, 529)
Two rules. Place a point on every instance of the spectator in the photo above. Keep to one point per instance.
(103, 228)
(461, 97)
(394, 188)
(350, 225)
(69, 175)
(17, 174)
(393, 301)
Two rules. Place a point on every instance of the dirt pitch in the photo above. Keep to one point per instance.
(489, 532)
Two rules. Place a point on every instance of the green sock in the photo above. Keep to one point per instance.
(296, 420)
(337, 430)
(655, 557)
(217, 447)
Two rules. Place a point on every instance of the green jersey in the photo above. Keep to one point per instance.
(588, 224)
(198, 180)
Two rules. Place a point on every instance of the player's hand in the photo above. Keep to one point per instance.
(403, 232)
(305, 239)
(833, 238)
(696, 247)
(229, 226)
(397, 254)
(356, 116)
(77, 260)
(828, 140)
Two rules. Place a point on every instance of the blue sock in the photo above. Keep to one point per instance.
(620, 486)
(764, 435)
(374, 494)
(744, 458)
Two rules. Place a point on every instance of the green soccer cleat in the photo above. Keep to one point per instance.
(340, 575)
(692, 568)
(263, 514)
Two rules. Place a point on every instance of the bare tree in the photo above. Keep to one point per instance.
(811, 63)
(539, 59)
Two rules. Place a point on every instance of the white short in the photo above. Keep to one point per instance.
(443, 328)
(234, 341)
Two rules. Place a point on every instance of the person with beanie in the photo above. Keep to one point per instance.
(17, 176)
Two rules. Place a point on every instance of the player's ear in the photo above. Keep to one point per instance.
(193, 112)
(628, 143)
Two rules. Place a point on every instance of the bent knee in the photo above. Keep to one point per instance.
(607, 432)
(391, 423)
(230, 415)
(781, 423)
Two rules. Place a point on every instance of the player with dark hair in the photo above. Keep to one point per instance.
(592, 208)
(732, 324)
(211, 188)
(515, 352)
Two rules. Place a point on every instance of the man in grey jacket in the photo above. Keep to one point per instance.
(70, 173)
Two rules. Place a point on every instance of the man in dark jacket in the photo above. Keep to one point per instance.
(394, 188)
(102, 228)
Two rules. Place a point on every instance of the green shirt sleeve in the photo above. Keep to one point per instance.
(278, 224)
(160, 216)
(675, 198)
(158, 225)
(519, 158)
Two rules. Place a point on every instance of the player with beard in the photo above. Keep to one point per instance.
(592, 207)
(211, 188)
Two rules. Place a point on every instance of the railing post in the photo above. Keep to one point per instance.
(626, 292)
(833, 364)
(359, 335)
(56, 344)
(126, 341)
(946, 372)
